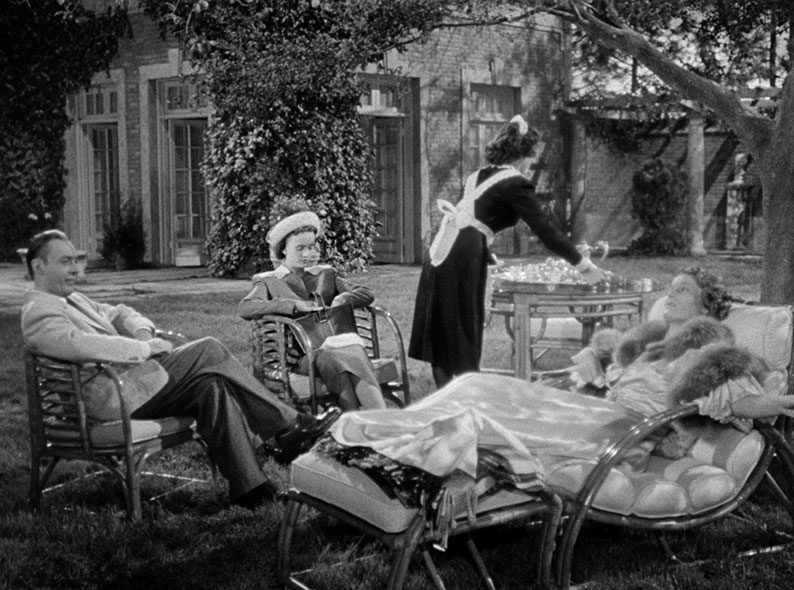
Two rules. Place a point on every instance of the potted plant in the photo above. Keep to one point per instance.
(123, 242)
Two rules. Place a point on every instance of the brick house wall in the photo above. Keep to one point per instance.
(532, 59)
(606, 207)
(440, 72)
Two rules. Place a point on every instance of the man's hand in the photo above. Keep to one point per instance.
(159, 346)
(144, 334)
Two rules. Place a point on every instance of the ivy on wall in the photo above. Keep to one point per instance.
(51, 48)
(281, 77)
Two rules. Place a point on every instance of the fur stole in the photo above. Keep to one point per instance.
(715, 364)
(633, 344)
(655, 340)
(693, 334)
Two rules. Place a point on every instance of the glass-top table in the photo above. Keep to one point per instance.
(529, 307)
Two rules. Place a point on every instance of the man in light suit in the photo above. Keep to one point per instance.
(200, 379)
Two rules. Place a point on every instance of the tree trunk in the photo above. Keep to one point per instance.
(777, 180)
(776, 165)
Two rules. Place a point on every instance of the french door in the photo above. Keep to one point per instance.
(187, 192)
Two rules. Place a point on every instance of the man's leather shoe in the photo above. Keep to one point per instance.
(262, 494)
(306, 429)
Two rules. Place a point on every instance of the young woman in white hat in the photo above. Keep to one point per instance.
(292, 289)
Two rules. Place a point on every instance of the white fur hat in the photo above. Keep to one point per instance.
(288, 225)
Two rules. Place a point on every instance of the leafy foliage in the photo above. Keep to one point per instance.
(123, 236)
(658, 200)
(50, 49)
(738, 44)
(281, 76)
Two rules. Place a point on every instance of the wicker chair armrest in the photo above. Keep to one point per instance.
(378, 312)
(283, 325)
(298, 331)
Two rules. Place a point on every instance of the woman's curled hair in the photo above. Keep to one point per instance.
(511, 145)
(713, 293)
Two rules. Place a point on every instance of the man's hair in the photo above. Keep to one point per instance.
(39, 246)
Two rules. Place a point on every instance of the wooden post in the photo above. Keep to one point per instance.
(696, 164)
(578, 179)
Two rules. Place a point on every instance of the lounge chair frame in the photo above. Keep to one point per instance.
(542, 509)
(577, 511)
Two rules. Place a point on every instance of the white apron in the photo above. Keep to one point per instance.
(462, 215)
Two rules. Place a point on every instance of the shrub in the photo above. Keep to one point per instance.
(281, 76)
(658, 199)
(123, 240)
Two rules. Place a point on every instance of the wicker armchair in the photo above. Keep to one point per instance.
(61, 430)
(276, 341)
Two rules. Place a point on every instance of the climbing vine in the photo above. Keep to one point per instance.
(281, 77)
(51, 48)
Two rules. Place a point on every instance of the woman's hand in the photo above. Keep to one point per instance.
(339, 300)
(306, 306)
(592, 274)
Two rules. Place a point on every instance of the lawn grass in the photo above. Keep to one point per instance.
(193, 539)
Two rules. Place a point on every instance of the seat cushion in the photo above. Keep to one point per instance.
(109, 434)
(353, 491)
(712, 473)
(765, 331)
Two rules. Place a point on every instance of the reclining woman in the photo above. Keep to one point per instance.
(648, 361)
(688, 357)
(291, 290)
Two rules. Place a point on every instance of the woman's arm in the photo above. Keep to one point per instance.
(528, 207)
(260, 301)
(763, 406)
(352, 293)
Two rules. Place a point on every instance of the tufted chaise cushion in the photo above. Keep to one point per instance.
(719, 463)
(713, 471)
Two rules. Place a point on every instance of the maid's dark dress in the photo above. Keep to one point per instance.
(449, 313)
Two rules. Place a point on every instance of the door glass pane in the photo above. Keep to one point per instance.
(188, 195)
(104, 174)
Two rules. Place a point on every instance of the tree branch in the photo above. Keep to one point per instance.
(611, 34)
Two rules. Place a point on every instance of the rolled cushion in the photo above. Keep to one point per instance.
(765, 331)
